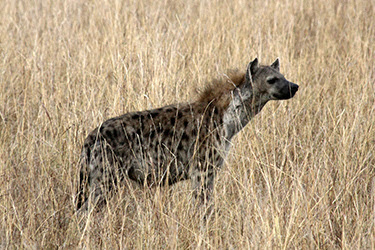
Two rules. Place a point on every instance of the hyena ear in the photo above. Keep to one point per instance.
(276, 64)
(251, 69)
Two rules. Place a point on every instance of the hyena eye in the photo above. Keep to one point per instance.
(272, 80)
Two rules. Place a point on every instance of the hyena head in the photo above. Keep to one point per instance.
(268, 82)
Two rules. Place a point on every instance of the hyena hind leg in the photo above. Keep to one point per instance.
(98, 178)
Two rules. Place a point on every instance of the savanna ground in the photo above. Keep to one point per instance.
(300, 175)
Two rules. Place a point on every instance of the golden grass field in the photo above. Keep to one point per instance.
(299, 176)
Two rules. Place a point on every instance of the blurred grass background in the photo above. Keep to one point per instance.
(300, 175)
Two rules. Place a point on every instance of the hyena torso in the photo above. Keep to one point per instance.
(177, 142)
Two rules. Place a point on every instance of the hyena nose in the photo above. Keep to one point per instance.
(293, 87)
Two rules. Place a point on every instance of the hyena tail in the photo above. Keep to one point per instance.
(81, 196)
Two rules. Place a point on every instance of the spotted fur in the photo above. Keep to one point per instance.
(177, 142)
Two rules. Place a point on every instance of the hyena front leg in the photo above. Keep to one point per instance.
(203, 182)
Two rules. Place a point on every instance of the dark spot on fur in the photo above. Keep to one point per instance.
(135, 175)
(142, 125)
(135, 116)
(128, 136)
(169, 110)
(123, 154)
(186, 122)
(194, 132)
(173, 120)
(81, 177)
(109, 135)
(179, 116)
(180, 147)
(152, 134)
(114, 143)
(218, 136)
(195, 195)
(184, 136)
(216, 111)
(217, 158)
(159, 128)
(115, 133)
(154, 114)
(166, 132)
(156, 159)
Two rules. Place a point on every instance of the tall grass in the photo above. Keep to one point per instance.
(300, 175)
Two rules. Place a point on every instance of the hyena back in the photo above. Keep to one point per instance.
(177, 142)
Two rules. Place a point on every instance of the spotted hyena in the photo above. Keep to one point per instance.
(178, 142)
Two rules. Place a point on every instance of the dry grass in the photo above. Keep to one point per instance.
(301, 175)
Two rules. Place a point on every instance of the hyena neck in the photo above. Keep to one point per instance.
(244, 105)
